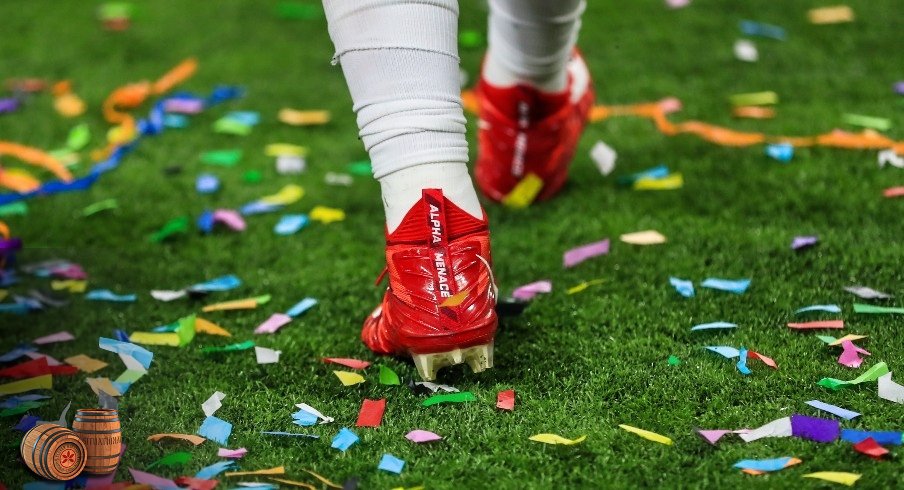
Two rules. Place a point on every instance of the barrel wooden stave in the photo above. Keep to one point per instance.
(100, 430)
(53, 452)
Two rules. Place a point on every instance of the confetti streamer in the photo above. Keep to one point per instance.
(651, 436)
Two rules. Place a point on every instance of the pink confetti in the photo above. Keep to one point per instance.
(505, 400)
(528, 291)
(766, 360)
(421, 436)
(151, 479)
(349, 363)
(712, 436)
(70, 271)
(230, 218)
(274, 323)
(670, 105)
(231, 453)
(577, 255)
(183, 106)
(850, 356)
(894, 192)
(54, 337)
(50, 361)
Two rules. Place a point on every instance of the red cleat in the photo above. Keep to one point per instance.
(523, 131)
(440, 304)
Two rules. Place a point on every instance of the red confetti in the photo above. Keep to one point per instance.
(371, 414)
(766, 360)
(894, 192)
(817, 324)
(196, 483)
(349, 363)
(36, 367)
(505, 400)
(871, 448)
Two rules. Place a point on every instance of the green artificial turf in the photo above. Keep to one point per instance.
(580, 364)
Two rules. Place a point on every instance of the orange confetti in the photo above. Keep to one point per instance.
(35, 157)
(753, 112)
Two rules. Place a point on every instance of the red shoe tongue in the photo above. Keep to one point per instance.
(434, 218)
(522, 101)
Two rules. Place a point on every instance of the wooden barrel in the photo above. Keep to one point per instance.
(99, 429)
(53, 452)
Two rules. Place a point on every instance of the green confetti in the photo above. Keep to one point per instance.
(756, 98)
(461, 397)
(79, 137)
(674, 361)
(298, 11)
(173, 459)
(361, 167)
(99, 206)
(263, 299)
(864, 308)
(877, 123)
(227, 125)
(223, 158)
(388, 376)
(21, 408)
(14, 209)
(173, 227)
(186, 330)
(471, 39)
(253, 176)
(826, 338)
(114, 10)
(872, 374)
(229, 348)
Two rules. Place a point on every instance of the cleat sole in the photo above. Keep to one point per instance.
(478, 357)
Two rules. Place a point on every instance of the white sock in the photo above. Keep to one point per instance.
(530, 42)
(400, 59)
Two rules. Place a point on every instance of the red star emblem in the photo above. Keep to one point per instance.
(67, 458)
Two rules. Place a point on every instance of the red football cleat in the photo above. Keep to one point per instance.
(523, 131)
(440, 304)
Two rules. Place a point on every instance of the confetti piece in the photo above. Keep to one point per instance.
(889, 390)
(802, 242)
(207, 184)
(825, 308)
(229, 348)
(556, 439)
(754, 99)
(105, 205)
(528, 291)
(307, 408)
(391, 464)
(817, 324)
(776, 428)
(349, 378)
(223, 158)
(604, 157)
(577, 255)
(228, 125)
(371, 413)
(332, 178)
(301, 307)
(872, 374)
(239, 304)
(832, 409)
(292, 483)
(725, 351)
(892, 438)
(831, 15)
(36, 367)
(287, 195)
(782, 152)
(864, 308)
(766, 465)
(814, 428)
(215, 429)
(327, 215)
(344, 440)
(294, 117)
(652, 436)
(712, 436)
(835, 476)
(102, 384)
(213, 403)
(434, 387)
(173, 459)
(389, 377)
(44, 382)
(684, 287)
(751, 28)
(647, 237)
(231, 453)
(737, 286)
(266, 356)
(290, 165)
(154, 481)
(107, 295)
(765, 360)
(850, 356)
(893, 192)
(584, 285)
(742, 362)
(851, 337)
(421, 436)
(871, 448)
(210, 328)
(54, 338)
(877, 123)
(274, 323)
(280, 149)
(460, 397)
(889, 157)
(745, 50)
(349, 363)
(712, 326)
(670, 182)
(867, 293)
(173, 227)
(505, 400)
(524, 193)
(290, 224)
(278, 470)
(289, 434)
(85, 363)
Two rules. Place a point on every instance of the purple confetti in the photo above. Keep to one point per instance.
(899, 88)
(815, 428)
(801, 242)
(8, 105)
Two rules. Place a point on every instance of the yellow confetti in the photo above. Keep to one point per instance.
(85, 363)
(673, 181)
(102, 384)
(323, 479)
(69, 105)
(584, 285)
(44, 382)
(326, 215)
(455, 300)
(647, 237)
(831, 15)
(278, 149)
(295, 483)
(155, 338)
(524, 193)
(3, 294)
(835, 476)
(287, 195)
(295, 117)
(349, 378)
(556, 439)
(279, 470)
(652, 436)
(195, 440)
(210, 328)
(852, 337)
(239, 304)
(69, 285)
(755, 98)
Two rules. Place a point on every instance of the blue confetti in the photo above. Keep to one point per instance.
(175, 121)
(301, 307)
(140, 354)
(657, 172)
(304, 418)
(782, 152)
(832, 409)
(207, 184)
(344, 440)
(17, 353)
(684, 287)
(290, 223)
(290, 434)
(391, 464)
(712, 326)
(258, 207)
(751, 28)
(742, 362)
(825, 308)
(215, 469)
(248, 118)
(725, 351)
(121, 335)
(216, 429)
(881, 437)
(223, 283)
(763, 464)
(205, 222)
(27, 422)
(737, 286)
(107, 295)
